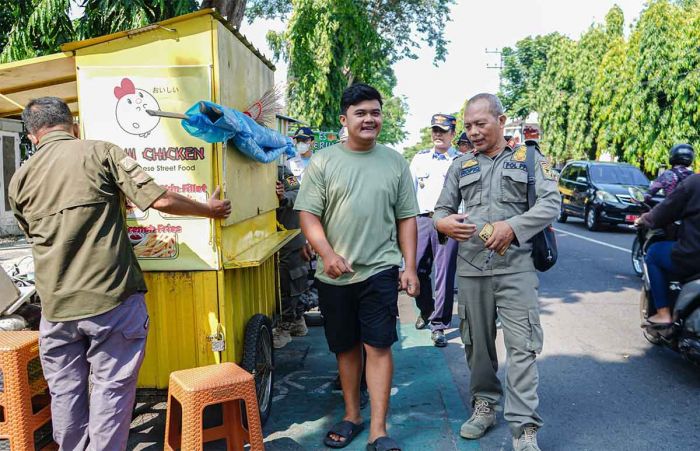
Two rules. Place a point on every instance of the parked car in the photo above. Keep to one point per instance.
(600, 192)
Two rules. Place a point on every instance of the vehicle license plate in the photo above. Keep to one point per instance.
(631, 218)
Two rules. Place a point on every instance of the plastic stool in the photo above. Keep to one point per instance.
(25, 403)
(190, 391)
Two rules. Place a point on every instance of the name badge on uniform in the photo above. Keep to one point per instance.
(515, 165)
(469, 167)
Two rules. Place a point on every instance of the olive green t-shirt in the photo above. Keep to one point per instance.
(69, 200)
(359, 196)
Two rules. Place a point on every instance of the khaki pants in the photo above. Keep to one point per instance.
(514, 297)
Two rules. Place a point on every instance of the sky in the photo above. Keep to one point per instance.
(475, 27)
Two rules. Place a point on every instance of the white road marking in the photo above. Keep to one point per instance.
(612, 246)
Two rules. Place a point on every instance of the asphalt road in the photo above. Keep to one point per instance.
(602, 386)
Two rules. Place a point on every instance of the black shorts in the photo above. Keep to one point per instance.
(361, 312)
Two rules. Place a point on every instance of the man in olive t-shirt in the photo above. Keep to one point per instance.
(357, 209)
(69, 200)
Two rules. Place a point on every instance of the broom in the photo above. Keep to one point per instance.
(265, 109)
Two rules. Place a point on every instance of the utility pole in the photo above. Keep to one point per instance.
(498, 66)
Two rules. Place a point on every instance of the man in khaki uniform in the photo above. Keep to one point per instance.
(69, 200)
(495, 268)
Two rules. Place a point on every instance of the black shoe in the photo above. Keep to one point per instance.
(439, 339)
(421, 323)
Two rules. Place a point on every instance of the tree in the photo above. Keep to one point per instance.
(522, 71)
(394, 115)
(102, 17)
(331, 44)
(37, 27)
(232, 10)
(40, 27)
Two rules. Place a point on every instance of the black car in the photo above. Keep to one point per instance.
(600, 192)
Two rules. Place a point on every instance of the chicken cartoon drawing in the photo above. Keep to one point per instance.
(132, 104)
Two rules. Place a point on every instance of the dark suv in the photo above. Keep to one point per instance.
(600, 192)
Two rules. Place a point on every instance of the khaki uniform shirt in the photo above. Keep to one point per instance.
(492, 190)
(69, 200)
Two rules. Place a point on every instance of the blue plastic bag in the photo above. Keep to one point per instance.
(252, 139)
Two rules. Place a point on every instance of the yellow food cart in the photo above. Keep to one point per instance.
(213, 285)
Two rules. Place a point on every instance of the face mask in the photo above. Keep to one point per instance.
(303, 147)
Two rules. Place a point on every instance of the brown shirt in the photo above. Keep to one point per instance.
(69, 200)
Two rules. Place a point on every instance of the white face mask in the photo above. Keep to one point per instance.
(303, 147)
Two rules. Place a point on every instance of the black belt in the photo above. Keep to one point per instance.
(426, 215)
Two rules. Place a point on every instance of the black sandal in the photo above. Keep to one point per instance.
(345, 429)
(383, 444)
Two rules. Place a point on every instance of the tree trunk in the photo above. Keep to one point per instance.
(232, 10)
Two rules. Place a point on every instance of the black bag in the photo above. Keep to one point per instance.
(544, 244)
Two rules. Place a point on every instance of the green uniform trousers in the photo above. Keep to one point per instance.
(514, 297)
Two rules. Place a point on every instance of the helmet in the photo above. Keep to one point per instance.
(682, 154)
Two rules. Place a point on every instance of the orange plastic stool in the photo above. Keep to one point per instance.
(25, 403)
(190, 391)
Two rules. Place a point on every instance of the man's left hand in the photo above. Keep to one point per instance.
(501, 237)
(409, 282)
(307, 252)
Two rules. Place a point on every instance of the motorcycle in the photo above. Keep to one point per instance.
(683, 334)
(20, 306)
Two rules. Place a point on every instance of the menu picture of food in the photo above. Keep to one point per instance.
(156, 245)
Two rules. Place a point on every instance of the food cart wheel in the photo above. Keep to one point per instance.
(258, 360)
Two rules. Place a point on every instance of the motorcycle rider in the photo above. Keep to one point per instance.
(677, 259)
(680, 157)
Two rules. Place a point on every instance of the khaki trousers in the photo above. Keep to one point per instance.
(514, 298)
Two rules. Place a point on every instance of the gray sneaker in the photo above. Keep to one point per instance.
(527, 440)
(297, 328)
(280, 337)
(483, 417)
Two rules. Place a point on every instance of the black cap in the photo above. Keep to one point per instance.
(304, 132)
(444, 121)
(463, 139)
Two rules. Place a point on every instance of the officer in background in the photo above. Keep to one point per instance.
(463, 144)
(428, 169)
(294, 267)
(304, 143)
(496, 272)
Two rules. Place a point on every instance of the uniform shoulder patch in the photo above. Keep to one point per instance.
(520, 154)
(292, 181)
(547, 171)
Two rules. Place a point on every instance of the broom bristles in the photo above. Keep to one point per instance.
(264, 110)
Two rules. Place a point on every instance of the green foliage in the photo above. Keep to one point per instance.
(331, 44)
(37, 27)
(109, 16)
(523, 68)
(30, 28)
(394, 115)
(604, 94)
(404, 24)
(425, 142)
